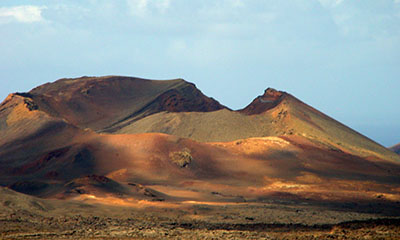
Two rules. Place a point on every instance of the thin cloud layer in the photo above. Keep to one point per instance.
(24, 14)
(142, 8)
(330, 3)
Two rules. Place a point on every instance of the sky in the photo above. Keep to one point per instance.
(339, 56)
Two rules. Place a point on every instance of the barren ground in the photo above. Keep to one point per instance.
(33, 218)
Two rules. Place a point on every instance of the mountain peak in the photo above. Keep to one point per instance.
(272, 93)
(262, 103)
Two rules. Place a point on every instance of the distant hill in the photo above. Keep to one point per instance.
(396, 148)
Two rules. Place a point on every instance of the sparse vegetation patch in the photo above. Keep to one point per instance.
(181, 158)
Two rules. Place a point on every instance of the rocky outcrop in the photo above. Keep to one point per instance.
(270, 99)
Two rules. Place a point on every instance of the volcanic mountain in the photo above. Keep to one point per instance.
(166, 140)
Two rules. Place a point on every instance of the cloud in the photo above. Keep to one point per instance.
(235, 3)
(24, 14)
(163, 5)
(142, 7)
(137, 7)
(330, 3)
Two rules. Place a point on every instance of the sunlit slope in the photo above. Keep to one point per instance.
(252, 168)
(162, 166)
(306, 121)
(222, 125)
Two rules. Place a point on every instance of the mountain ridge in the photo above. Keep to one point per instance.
(117, 104)
(166, 139)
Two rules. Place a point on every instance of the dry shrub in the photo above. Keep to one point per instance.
(181, 158)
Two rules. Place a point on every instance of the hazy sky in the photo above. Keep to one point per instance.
(340, 56)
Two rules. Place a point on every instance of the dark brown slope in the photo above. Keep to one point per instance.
(101, 103)
(395, 148)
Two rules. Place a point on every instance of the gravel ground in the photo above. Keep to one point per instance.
(242, 221)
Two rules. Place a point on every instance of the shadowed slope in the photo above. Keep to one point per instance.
(26, 131)
(36, 146)
(20, 119)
